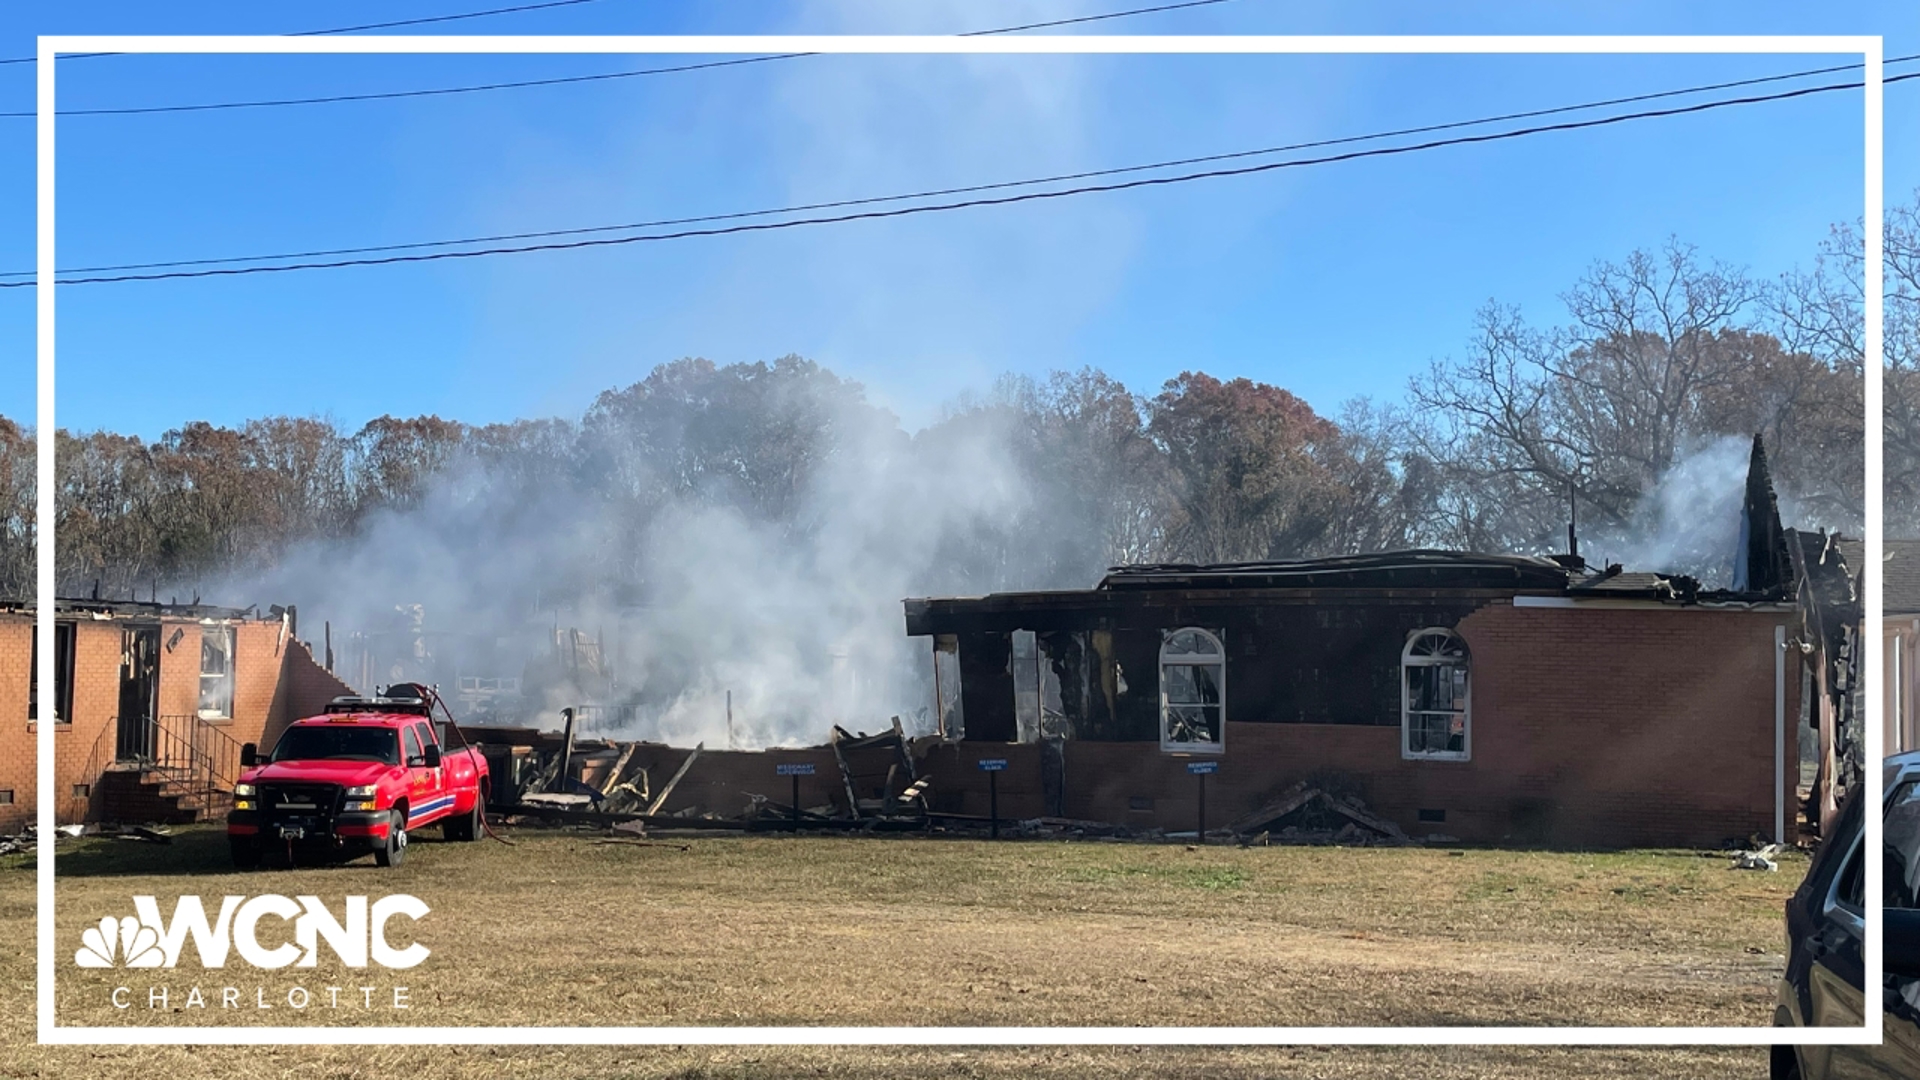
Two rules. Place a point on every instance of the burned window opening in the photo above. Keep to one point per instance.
(62, 674)
(1434, 697)
(1193, 684)
(949, 719)
(216, 672)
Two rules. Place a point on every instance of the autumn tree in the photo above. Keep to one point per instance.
(744, 435)
(1250, 469)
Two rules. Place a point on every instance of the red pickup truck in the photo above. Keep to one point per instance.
(355, 779)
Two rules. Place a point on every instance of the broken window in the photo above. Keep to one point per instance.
(62, 674)
(1433, 696)
(1024, 665)
(946, 686)
(1193, 682)
(216, 672)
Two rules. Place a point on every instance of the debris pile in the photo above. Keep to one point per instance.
(1760, 858)
(558, 778)
(1304, 814)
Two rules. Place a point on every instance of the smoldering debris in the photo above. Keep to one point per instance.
(1304, 814)
(855, 782)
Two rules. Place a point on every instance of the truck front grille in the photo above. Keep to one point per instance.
(316, 801)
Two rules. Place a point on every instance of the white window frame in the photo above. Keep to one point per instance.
(230, 675)
(1407, 661)
(1219, 660)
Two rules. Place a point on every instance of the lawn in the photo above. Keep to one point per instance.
(559, 929)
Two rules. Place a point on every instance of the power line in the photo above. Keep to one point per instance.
(331, 99)
(869, 215)
(352, 29)
(941, 192)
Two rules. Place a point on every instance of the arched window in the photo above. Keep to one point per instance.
(1434, 697)
(1193, 691)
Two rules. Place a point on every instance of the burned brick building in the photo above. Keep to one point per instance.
(1483, 697)
(150, 705)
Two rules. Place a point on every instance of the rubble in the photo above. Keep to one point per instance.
(560, 779)
(1304, 814)
(1760, 858)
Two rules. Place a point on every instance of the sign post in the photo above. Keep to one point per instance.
(795, 770)
(1200, 769)
(993, 767)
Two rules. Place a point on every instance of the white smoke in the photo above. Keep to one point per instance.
(798, 621)
(1689, 521)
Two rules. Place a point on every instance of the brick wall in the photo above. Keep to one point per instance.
(303, 689)
(86, 745)
(16, 740)
(1603, 728)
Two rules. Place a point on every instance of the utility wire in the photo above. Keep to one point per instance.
(329, 99)
(934, 193)
(352, 29)
(1004, 200)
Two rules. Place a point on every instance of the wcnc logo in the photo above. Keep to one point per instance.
(145, 940)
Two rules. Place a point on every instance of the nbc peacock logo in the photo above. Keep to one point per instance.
(122, 942)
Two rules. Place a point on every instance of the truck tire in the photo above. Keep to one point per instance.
(466, 826)
(395, 850)
(246, 854)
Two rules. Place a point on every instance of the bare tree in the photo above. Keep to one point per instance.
(1662, 354)
(18, 495)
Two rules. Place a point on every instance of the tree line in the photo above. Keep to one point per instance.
(1658, 354)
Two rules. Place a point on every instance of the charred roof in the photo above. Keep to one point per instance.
(1417, 568)
(133, 609)
(1390, 577)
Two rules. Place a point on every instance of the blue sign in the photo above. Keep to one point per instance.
(1202, 768)
(993, 764)
(802, 769)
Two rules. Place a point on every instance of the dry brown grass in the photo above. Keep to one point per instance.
(736, 930)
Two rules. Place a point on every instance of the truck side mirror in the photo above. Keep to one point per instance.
(249, 755)
(432, 757)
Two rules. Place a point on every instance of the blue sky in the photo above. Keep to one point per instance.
(1334, 281)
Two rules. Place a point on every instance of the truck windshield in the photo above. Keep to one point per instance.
(348, 743)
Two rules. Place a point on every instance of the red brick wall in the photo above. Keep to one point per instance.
(86, 745)
(86, 737)
(304, 689)
(258, 654)
(959, 787)
(16, 738)
(1606, 728)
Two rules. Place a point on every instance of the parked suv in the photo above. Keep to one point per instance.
(1825, 923)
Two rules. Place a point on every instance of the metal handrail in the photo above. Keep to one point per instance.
(208, 757)
(90, 772)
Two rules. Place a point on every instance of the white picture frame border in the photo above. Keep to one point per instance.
(1868, 47)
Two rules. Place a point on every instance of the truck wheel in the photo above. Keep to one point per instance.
(467, 826)
(396, 846)
(246, 854)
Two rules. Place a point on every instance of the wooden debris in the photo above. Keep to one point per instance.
(661, 799)
(559, 780)
(619, 766)
(623, 842)
(556, 800)
(1314, 813)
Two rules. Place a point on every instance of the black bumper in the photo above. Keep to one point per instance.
(343, 832)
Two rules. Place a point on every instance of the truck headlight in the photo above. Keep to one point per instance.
(364, 791)
(366, 804)
(243, 804)
(241, 791)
